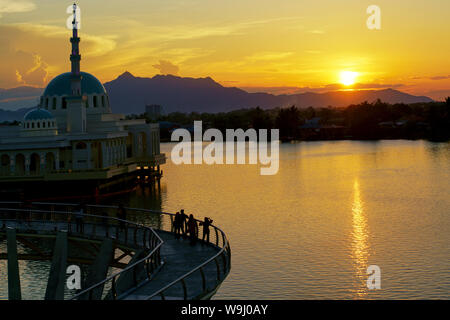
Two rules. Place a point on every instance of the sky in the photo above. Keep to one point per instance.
(277, 46)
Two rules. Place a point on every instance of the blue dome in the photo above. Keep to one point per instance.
(60, 86)
(37, 114)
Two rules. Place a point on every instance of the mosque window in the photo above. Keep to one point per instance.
(46, 103)
(32, 125)
(39, 125)
(80, 146)
(64, 103)
(95, 101)
(103, 101)
(54, 103)
(43, 124)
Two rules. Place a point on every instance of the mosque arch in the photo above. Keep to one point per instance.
(5, 164)
(35, 164)
(20, 164)
(81, 145)
(50, 162)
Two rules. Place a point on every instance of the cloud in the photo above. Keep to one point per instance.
(166, 67)
(436, 78)
(33, 54)
(268, 56)
(313, 51)
(438, 95)
(96, 45)
(316, 31)
(23, 69)
(31, 69)
(440, 77)
(14, 6)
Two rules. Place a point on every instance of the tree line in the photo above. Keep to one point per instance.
(376, 120)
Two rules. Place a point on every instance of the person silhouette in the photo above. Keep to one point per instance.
(206, 223)
(79, 216)
(183, 225)
(177, 225)
(122, 215)
(193, 229)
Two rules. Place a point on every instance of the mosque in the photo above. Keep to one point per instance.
(73, 138)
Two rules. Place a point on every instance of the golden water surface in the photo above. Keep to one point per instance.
(311, 231)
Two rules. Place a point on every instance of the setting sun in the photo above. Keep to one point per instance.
(348, 78)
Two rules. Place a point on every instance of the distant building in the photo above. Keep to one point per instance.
(73, 135)
(313, 130)
(153, 111)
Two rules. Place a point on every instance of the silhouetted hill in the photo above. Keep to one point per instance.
(20, 97)
(13, 115)
(346, 98)
(129, 94)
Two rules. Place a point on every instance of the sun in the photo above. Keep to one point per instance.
(348, 78)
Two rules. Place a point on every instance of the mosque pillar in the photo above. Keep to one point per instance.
(74, 158)
(12, 163)
(115, 152)
(89, 155)
(112, 152)
(104, 154)
(56, 161)
(42, 160)
(27, 164)
(119, 150)
(124, 149)
(108, 153)
(136, 149)
(150, 138)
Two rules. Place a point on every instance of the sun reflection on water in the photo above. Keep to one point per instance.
(359, 241)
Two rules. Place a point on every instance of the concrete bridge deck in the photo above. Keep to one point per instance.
(179, 258)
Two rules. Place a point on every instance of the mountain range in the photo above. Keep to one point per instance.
(129, 94)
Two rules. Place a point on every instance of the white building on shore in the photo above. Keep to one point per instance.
(73, 135)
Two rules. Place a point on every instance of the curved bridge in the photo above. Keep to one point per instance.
(139, 258)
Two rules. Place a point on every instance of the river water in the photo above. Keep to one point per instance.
(332, 210)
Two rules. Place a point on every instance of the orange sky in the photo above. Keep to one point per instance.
(278, 46)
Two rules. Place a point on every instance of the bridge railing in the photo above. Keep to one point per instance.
(94, 226)
(221, 261)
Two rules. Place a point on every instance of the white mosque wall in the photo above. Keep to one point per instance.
(95, 104)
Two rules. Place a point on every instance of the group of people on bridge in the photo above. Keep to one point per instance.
(187, 226)
(183, 226)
